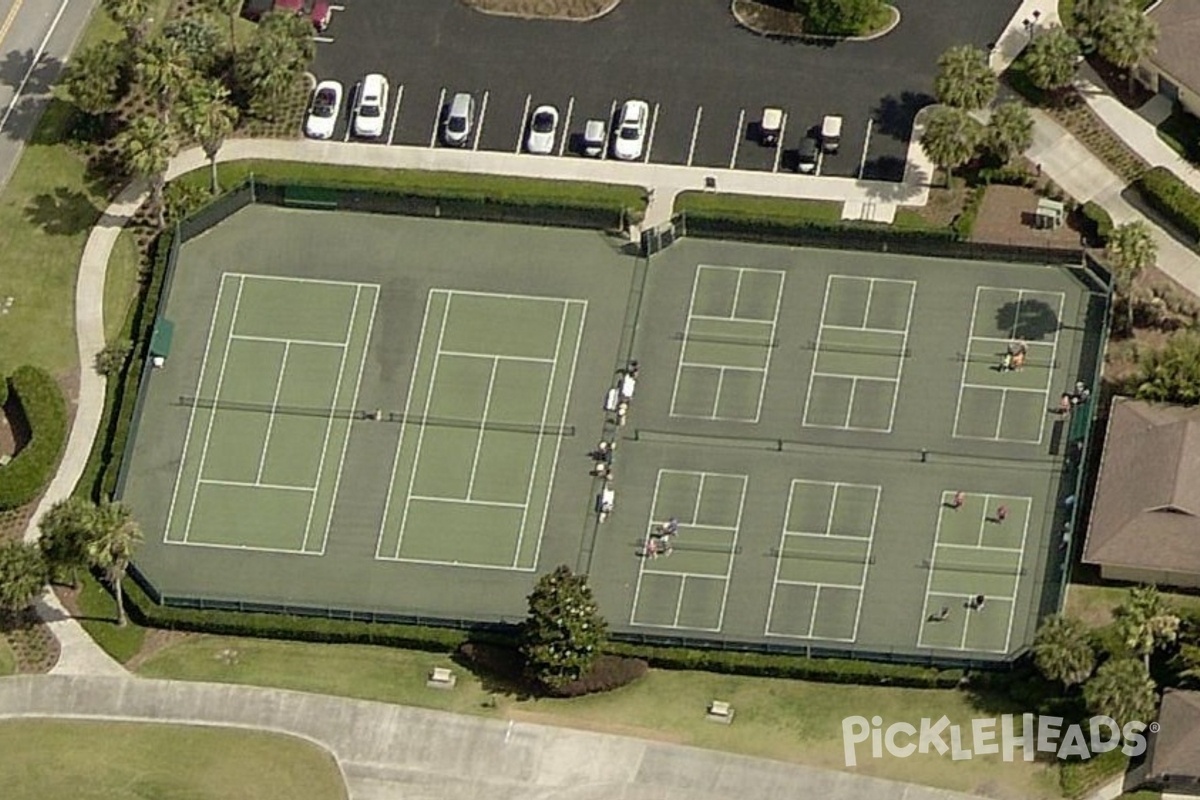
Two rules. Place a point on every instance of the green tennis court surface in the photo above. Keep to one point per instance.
(389, 417)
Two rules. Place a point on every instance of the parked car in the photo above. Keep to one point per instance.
(831, 133)
(319, 12)
(323, 110)
(371, 106)
(807, 154)
(770, 127)
(543, 128)
(460, 120)
(595, 134)
(629, 139)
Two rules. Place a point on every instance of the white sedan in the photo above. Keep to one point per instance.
(629, 138)
(543, 128)
(323, 111)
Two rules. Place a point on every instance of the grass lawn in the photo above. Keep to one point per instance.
(786, 720)
(749, 207)
(120, 285)
(97, 612)
(1094, 604)
(8, 662)
(103, 760)
(1182, 132)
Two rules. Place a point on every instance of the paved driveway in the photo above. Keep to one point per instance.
(705, 78)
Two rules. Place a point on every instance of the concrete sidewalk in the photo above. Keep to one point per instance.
(389, 752)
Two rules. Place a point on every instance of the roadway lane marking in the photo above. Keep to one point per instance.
(12, 16)
(695, 130)
(612, 129)
(396, 112)
(737, 138)
(437, 117)
(524, 122)
(37, 57)
(862, 162)
(779, 143)
(566, 127)
(479, 126)
(650, 138)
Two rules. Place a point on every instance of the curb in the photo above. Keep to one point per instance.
(612, 4)
(804, 37)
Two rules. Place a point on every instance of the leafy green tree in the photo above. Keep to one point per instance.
(1187, 664)
(200, 39)
(132, 16)
(1131, 249)
(1052, 59)
(1062, 652)
(1009, 131)
(1121, 689)
(564, 631)
(164, 68)
(1172, 374)
(964, 79)
(1146, 622)
(66, 534)
(95, 77)
(115, 536)
(231, 9)
(111, 360)
(207, 117)
(22, 575)
(839, 17)
(146, 147)
(951, 138)
(1125, 35)
(268, 70)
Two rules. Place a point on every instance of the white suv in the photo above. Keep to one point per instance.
(629, 138)
(371, 107)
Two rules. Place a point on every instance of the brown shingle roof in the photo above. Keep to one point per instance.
(1179, 40)
(1177, 744)
(1147, 508)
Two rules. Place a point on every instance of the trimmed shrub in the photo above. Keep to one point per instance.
(607, 673)
(1098, 225)
(3, 391)
(964, 223)
(1171, 197)
(1008, 175)
(45, 409)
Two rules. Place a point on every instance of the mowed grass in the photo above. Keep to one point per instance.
(103, 761)
(8, 662)
(1094, 605)
(779, 719)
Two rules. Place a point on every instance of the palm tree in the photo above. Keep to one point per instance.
(208, 117)
(1125, 36)
(1062, 651)
(22, 575)
(1172, 374)
(964, 79)
(165, 69)
(131, 16)
(230, 8)
(951, 138)
(147, 146)
(1146, 622)
(1010, 130)
(1131, 248)
(1051, 59)
(117, 535)
(93, 78)
(1121, 689)
(267, 70)
(66, 531)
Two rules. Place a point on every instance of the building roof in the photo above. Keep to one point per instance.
(1178, 34)
(1177, 743)
(1146, 513)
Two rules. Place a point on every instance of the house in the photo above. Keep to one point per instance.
(1145, 521)
(1173, 70)
(1173, 761)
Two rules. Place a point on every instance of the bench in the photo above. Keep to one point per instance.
(720, 711)
(441, 678)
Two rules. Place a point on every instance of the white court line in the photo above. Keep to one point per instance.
(433, 562)
(989, 548)
(787, 582)
(779, 143)
(464, 501)
(1017, 578)
(695, 132)
(246, 548)
(817, 350)
(266, 445)
(687, 329)
(337, 393)
(937, 537)
(437, 117)
(566, 127)
(490, 356)
(502, 295)
(187, 436)
(864, 329)
(213, 416)
(650, 136)
(715, 318)
(479, 122)
(717, 395)
(395, 113)
(912, 299)
(1015, 389)
(257, 485)
(241, 337)
(737, 293)
(524, 125)
(706, 365)
(637, 588)
(487, 405)
(737, 138)
(962, 381)
(318, 281)
(844, 375)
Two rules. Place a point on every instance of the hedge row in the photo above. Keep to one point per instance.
(846, 234)
(45, 409)
(1170, 196)
(1097, 223)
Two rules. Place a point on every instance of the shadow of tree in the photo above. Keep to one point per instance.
(894, 115)
(63, 213)
(1031, 320)
(499, 670)
(884, 168)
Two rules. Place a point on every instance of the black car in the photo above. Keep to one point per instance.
(806, 155)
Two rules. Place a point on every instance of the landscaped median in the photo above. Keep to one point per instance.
(1167, 194)
(45, 418)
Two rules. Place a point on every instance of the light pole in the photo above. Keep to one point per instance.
(1032, 24)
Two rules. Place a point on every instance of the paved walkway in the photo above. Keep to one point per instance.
(390, 752)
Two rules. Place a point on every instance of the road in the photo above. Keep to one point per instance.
(36, 36)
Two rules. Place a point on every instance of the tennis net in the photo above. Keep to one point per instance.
(747, 341)
(378, 415)
(979, 569)
(811, 555)
(826, 346)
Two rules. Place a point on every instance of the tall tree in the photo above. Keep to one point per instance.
(1146, 622)
(132, 16)
(1121, 689)
(269, 68)
(1062, 652)
(1131, 249)
(1052, 59)
(201, 40)
(207, 116)
(231, 9)
(146, 147)
(94, 77)
(1172, 374)
(1010, 130)
(951, 138)
(964, 79)
(117, 535)
(564, 631)
(838, 17)
(164, 68)
(22, 575)
(66, 534)
(1125, 35)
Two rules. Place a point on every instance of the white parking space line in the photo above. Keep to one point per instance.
(650, 137)
(396, 112)
(323, 39)
(695, 131)
(566, 127)
(737, 138)
(437, 117)
(820, 161)
(479, 125)
(351, 102)
(779, 143)
(524, 123)
(608, 124)
(862, 162)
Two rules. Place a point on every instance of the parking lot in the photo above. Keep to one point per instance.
(706, 81)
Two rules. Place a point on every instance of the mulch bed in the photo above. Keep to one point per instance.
(1117, 81)
(1006, 217)
(771, 19)
(552, 9)
(35, 648)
